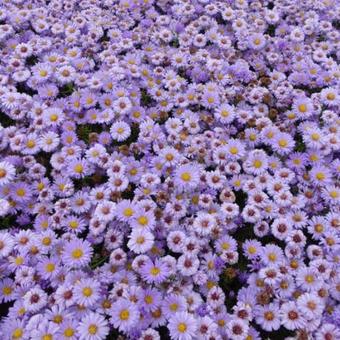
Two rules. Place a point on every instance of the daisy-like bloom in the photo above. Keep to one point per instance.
(68, 330)
(53, 116)
(144, 220)
(303, 107)
(120, 131)
(105, 211)
(252, 249)
(186, 177)
(327, 331)
(124, 315)
(140, 240)
(65, 74)
(204, 223)
(320, 175)
(48, 268)
(154, 272)
(43, 330)
(311, 305)
(21, 192)
(237, 329)
(49, 141)
(182, 326)
(122, 105)
(272, 254)
(256, 162)
(6, 244)
(308, 279)
(149, 334)
(86, 292)
(188, 265)
(256, 41)
(330, 96)
(7, 173)
(331, 194)
(235, 149)
(291, 317)
(7, 290)
(225, 113)
(267, 316)
(74, 224)
(174, 303)
(77, 253)
(283, 143)
(93, 327)
(42, 72)
(170, 156)
(35, 299)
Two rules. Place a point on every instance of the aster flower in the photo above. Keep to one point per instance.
(182, 326)
(124, 315)
(86, 292)
(291, 317)
(154, 272)
(77, 253)
(140, 241)
(7, 173)
(93, 327)
(186, 177)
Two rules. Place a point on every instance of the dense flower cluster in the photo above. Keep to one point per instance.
(169, 169)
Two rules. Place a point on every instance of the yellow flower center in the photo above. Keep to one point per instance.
(320, 176)
(252, 137)
(315, 136)
(140, 240)
(58, 319)
(334, 194)
(330, 96)
(182, 327)
(124, 314)
(257, 164)
(47, 337)
(128, 212)
(309, 278)
(46, 241)
(142, 220)
(19, 261)
(93, 329)
(21, 192)
(186, 177)
(252, 250)
(173, 306)
(155, 271)
(77, 253)
(302, 108)
(30, 143)
(169, 157)
(73, 224)
(3, 173)
(233, 150)
(78, 168)
(17, 333)
(272, 257)
(148, 299)
(68, 332)
(87, 291)
(53, 117)
(283, 143)
(7, 290)
(50, 267)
